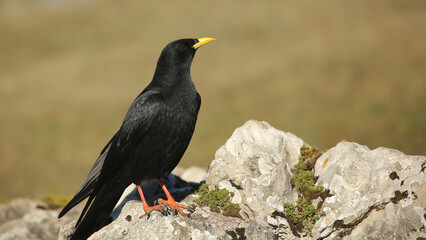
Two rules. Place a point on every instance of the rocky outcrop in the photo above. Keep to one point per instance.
(254, 164)
(32, 219)
(202, 224)
(372, 194)
(379, 194)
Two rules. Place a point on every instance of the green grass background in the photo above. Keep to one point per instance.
(323, 70)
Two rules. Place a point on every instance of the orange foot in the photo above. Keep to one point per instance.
(173, 204)
(146, 207)
(170, 200)
(149, 209)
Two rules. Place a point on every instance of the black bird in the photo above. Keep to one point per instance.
(149, 144)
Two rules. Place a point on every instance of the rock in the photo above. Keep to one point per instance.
(32, 219)
(66, 230)
(178, 171)
(178, 187)
(393, 222)
(194, 174)
(18, 208)
(362, 180)
(255, 165)
(201, 225)
(374, 194)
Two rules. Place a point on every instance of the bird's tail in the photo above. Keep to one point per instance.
(98, 210)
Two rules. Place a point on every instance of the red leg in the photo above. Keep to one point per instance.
(170, 200)
(146, 207)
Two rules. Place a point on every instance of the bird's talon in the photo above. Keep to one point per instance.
(191, 209)
(164, 212)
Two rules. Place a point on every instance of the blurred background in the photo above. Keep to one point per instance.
(325, 71)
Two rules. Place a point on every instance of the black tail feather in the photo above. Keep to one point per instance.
(96, 214)
(88, 203)
(79, 197)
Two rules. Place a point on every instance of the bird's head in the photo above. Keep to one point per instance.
(181, 52)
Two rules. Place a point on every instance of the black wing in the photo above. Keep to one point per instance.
(138, 120)
(135, 125)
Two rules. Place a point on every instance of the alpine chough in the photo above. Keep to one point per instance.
(150, 142)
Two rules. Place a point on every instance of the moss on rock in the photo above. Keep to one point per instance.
(303, 215)
(218, 200)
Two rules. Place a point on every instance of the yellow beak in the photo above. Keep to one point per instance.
(202, 41)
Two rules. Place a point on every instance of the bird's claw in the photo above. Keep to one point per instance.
(172, 204)
(191, 208)
(149, 209)
(164, 211)
(148, 215)
(175, 212)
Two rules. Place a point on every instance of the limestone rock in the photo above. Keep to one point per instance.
(375, 194)
(18, 208)
(201, 225)
(31, 219)
(191, 174)
(179, 188)
(255, 165)
(194, 174)
(34, 219)
(393, 222)
(362, 180)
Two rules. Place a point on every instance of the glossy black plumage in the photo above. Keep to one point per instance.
(150, 142)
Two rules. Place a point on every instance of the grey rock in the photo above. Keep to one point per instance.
(393, 222)
(194, 174)
(32, 219)
(360, 180)
(66, 230)
(18, 208)
(202, 224)
(255, 165)
(376, 194)
(179, 188)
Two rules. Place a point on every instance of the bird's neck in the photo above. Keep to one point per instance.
(169, 75)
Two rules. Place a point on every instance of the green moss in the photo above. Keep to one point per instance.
(305, 184)
(337, 237)
(202, 189)
(219, 200)
(303, 177)
(303, 215)
(381, 206)
(308, 157)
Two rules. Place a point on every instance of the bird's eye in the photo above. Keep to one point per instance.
(182, 47)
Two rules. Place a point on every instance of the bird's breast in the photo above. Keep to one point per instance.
(165, 143)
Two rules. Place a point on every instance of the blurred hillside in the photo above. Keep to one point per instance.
(324, 71)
